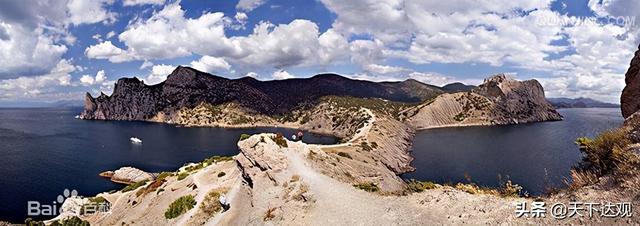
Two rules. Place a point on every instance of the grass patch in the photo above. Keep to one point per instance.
(69, 221)
(134, 186)
(97, 200)
(603, 155)
(211, 205)
(181, 176)
(370, 187)
(419, 186)
(180, 206)
(244, 136)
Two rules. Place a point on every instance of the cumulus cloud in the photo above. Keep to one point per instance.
(88, 12)
(88, 80)
(158, 74)
(168, 34)
(281, 74)
(211, 64)
(142, 2)
(249, 5)
(42, 86)
(27, 52)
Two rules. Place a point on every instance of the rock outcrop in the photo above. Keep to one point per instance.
(499, 100)
(127, 175)
(630, 98)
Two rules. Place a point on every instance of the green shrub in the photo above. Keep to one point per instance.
(97, 199)
(370, 187)
(181, 176)
(606, 152)
(70, 221)
(511, 190)
(164, 175)
(244, 136)
(211, 205)
(344, 154)
(419, 186)
(221, 174)
(180, 206)
(134, 186)
(459, 117)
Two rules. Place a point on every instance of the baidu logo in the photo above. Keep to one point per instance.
(35, 208)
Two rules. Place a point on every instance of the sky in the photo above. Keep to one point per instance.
(57, 50)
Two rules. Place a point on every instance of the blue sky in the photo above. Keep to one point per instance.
(57, 50)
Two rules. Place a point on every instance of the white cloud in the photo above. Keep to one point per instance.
(89, 12)
(384, 69)
(142, 2)
(240, 21)
(110, 34)
(27, 52)
(106, 50)
(211, 64)
(249, 5)
(87, 80)
(158, 74)
(42, 86)
(281, 74)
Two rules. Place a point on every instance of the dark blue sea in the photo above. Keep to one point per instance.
(45, 151)
(537, 156)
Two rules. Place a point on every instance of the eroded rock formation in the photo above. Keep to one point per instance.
(630, 98)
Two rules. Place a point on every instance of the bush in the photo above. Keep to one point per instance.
(134, 186)
(459, 117)
(211, 205)
(180, 206)
(269, 214)
(70, 221)
(280, 140)
(181, 176)
(244, 136)
(511, 190)
(419, 186)
(344, 154)
(605, 154)
(97, 199)
(221, 174)
(164, 175)
(370, 187)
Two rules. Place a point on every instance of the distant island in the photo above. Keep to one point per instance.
(580, 103)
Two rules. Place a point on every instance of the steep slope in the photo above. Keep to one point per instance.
(187, 88)
(630, 98)
(499, 100)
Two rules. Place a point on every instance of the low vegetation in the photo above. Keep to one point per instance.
(607, 154)
(280, 140)
(181, 176)
(180, 206)
(69, 221)
(419, 186)
(369, 186)
(211, 205)
(244, 136)
(270, 214)
(134, 186)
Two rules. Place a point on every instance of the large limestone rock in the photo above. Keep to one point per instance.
(630, 99)
(127, 175)
(499, 100)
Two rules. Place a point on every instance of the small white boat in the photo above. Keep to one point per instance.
(77, 116)
(135, 140)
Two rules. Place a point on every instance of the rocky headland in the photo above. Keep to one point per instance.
(277, 181)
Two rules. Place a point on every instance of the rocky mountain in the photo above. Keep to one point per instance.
(580, 102)
(187, 88)
(457, 87)
(499, 100)
(630, 99)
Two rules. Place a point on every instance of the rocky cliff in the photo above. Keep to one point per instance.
(630, 99)
(499, 100)
(187, 88)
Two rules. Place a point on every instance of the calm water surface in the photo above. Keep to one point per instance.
(537, 156)
(44, 151)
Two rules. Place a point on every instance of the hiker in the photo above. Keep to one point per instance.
(224, 203)
(299, 135)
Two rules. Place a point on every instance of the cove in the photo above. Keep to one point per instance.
(537, 156)
(45, 151)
